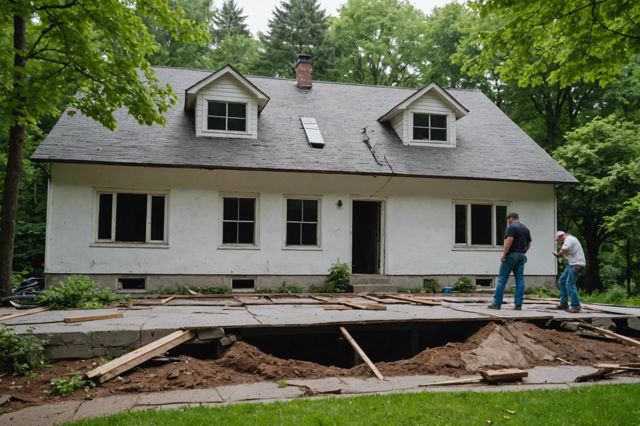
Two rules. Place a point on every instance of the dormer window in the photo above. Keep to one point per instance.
(429, 127)
(226, 116)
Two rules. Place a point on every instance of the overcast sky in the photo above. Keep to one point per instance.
(259, 12)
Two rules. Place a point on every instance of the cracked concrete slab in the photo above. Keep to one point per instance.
(262, 390)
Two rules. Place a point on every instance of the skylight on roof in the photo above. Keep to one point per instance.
(311, 129)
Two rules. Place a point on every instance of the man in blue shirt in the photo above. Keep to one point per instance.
(517, 241)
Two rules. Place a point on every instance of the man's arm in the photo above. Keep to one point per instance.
(506, 246)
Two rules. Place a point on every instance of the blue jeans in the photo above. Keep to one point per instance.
(513, 262)
(567, 285)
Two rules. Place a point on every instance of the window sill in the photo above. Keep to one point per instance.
(441, 144)
(238, 247)
(302, 248)
(131, 245)
(477, 248)
(224, 132)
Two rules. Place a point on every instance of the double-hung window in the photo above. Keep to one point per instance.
(132, 217)
(479, 224)
(226, 116)
(429, 127)
(302, 222)
(239, 221)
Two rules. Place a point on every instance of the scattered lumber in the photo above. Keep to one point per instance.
(360, 352)
(635, 366)
(127, 361)
(504, 375)
(365, 306)
(413, 300)
(154, 301)
(23, 313)
(93, 317)
(604, 332)
(467, 381)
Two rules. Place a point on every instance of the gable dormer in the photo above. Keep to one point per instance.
(427, 117)
(226, 105)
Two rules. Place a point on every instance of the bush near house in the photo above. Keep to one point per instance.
(339, 276)
(464, 285)
(21, 353)
(430, 285)
(78, 292)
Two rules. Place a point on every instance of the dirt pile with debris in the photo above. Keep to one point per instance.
(510, 345)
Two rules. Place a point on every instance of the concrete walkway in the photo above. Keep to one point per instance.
(43, 415)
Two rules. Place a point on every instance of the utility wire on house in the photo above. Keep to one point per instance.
(366, 140)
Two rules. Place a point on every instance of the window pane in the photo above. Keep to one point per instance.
(104, 216)
(293, 234)
(310, 213)
(438, 134)
(481, 224)
(230, 209)
(217, 108)
(294, 210)
(309, 234)
(501, 224)
(421, 120)
(420, 133)
(131, 218)
(439, 121)
(237, 110)
(157, 218)
(247, 209)
(229, 232)
(237, 124)
(461, 224)
(214, 123)
(245, 233)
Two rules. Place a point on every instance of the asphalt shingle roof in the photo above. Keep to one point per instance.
(489, 145)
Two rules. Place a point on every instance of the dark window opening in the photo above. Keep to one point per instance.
(501, 224)
(366, 234)
(430, 127)
(481, 224)
(243, 284)
(461, 224)
(487, 221)
(105, 216)
(238, 220)
(131, 284)
(302, 223)
(131, 217)
(484, 282)
(226, 116)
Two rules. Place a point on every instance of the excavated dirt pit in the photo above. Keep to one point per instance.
(514, 344)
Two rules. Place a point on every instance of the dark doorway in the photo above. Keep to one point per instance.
(365, 246)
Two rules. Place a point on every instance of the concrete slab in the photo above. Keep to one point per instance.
(253, 391)
(190, 396)
(564, 374)
(42, 415)
(105, 406)
(328, 385)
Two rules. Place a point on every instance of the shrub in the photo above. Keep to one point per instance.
(339, 276)
(289, 288)
(214, 290)
(64, 386)
(431, 285)
(327, 288)
(464, 285)
(77, 292)
(616, 294)
(409, 290)
(21, 352)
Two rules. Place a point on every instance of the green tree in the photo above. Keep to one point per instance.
(239, 50)
(96, 50)
(228, 21)
(297, 26)
(380, 42)
(604, 156)
(572, 40)
(182, 53)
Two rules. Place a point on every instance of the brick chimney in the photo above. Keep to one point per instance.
(303, 71)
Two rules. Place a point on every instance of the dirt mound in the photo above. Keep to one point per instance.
(244, 358)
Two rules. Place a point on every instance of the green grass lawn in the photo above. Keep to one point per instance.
(591, 405)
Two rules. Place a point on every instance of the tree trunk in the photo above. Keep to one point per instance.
(592, 277)
(14, 159)
(628, 259)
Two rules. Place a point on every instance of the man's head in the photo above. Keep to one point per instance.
(512, 217)
(560, 236)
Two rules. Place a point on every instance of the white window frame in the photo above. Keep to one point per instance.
(467, 244)
(256, 222)
(205, 113)
(450, 142)
(114, 203)
(318, 244)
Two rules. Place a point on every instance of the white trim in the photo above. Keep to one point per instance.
(448, 143)
(217, 132)
(318, 245)
(458, 109)
(256, 221)
(468, 245)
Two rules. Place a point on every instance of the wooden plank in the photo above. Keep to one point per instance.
(93, 317)
(361, 353)
(23, 313)
(375, 299)
(625, 339)
(128, 361)
(631, 367)
(412, 300)
(455, 382)
(365, 306)
(504, 375)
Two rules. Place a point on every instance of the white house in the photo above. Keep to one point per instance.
(256, 181)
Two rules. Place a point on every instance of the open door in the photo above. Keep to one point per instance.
(366, 232)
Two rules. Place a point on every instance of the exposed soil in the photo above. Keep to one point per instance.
(516, 344)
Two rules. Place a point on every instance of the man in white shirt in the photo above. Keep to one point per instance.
(572, 250)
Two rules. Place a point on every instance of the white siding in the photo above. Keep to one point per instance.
(418, 226)
(227, 89)
(427, 104)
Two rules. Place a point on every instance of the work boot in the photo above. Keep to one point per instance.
(562, 307)
(574, 310)
(493, 306)
(517, 308)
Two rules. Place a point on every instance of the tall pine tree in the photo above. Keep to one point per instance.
(228, 21)
(297, 26)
